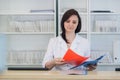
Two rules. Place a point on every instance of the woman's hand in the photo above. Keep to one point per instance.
(54, 62)
(59, 61)
(91, 67)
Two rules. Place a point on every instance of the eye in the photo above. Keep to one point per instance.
(68, 21)
(74, 22)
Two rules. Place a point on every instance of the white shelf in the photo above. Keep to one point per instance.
(26, 13)
(102, 13)
(27, 33)
(105, 33)
(109, 64)
(82, 33)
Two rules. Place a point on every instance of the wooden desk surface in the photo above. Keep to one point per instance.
(56, 75)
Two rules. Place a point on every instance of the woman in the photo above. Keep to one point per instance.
(69, 39)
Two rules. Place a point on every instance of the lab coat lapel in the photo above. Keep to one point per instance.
(63, 44)
(75, 43)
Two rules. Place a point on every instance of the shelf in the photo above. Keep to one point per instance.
(105, 13)
(27, 33)
(105, 33)
(109, 64)
(22, 13)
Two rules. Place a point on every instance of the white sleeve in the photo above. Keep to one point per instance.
(49, 53)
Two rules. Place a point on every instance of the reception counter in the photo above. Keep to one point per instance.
(57, 75)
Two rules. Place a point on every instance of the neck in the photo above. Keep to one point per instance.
(70, 37)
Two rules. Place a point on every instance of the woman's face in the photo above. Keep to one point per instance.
(70, 25)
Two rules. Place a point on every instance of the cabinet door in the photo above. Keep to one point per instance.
(105, 29)
(28, 24)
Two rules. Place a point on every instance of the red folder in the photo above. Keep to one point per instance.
(73, 58)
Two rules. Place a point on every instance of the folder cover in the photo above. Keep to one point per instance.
(73, 58)
(87, 63)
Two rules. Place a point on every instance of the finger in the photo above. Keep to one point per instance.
(91, 67)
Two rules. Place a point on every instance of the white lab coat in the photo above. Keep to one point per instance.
(57, 48)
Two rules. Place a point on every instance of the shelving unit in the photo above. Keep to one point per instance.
(105, 30)
(27, 23)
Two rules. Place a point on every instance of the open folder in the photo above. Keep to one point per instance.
(91, 62)
(73, 58)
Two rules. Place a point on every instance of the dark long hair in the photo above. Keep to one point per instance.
(65, 17)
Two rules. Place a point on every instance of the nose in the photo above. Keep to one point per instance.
(70, 23)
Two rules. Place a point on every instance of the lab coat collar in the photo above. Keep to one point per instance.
(74, 44)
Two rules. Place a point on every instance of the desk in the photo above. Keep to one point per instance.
(56, 75)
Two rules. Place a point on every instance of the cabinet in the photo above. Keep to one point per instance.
(27, 23)
(28, 26)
